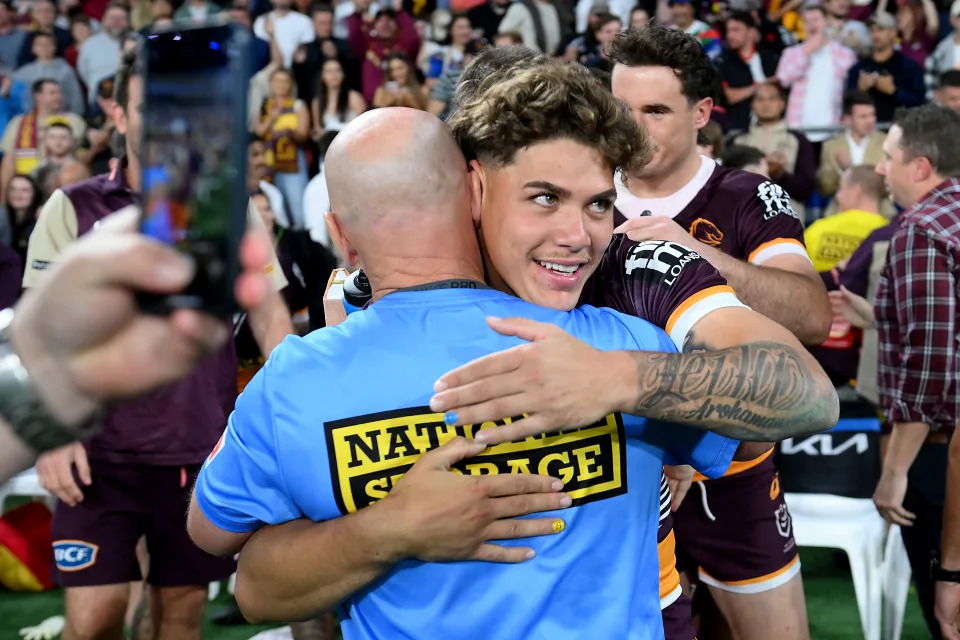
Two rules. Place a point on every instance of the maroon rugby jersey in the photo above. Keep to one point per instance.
(180, 423)
(672, 287)
(743, 214)
(663, 283)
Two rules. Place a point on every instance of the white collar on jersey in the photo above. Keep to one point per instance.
(633, 207)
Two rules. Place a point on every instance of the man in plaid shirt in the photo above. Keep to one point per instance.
(916, 312)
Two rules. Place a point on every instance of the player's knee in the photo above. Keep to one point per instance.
(182, 607)
(97, 621)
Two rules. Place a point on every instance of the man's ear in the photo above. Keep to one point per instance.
(703, 110)
(340, 240)
(477, 182)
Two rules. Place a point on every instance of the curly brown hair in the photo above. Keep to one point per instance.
(493, 62)
(548, 102)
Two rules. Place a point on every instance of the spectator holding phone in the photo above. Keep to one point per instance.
(400, 87)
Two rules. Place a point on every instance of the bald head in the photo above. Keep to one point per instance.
(398, 164)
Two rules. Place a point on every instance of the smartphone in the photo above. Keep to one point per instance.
(193, 156)
(391, 85)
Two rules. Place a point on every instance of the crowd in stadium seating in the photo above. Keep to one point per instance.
(803, 83)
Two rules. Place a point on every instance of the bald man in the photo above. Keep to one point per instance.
(309, 441)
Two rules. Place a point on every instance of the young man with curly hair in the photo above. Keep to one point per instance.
(553, 394)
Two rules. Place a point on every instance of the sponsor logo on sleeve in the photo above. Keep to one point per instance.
(74, 555)
(369, 454)
(775, 201)
(659, 261)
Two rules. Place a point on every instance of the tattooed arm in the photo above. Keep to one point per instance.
(741, 375)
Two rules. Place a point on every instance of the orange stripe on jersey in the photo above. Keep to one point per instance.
(773, 243)
(769, 576)
(694, 299)
(667, 553)
(737, 466)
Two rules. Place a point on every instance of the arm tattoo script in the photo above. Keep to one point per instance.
(760, 391)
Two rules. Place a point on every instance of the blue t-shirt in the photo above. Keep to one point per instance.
(334, 419)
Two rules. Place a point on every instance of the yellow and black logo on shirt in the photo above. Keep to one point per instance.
(369, 454)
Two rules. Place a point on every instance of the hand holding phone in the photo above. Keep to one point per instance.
(193, 156)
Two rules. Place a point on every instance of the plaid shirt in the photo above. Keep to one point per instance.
(916, 311)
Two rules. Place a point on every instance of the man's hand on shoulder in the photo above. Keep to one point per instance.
(658, 228)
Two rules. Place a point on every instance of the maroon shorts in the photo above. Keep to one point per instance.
(94, 543)
(737, 533)
(678, 620)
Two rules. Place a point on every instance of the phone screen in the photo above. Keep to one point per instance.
(193, 154)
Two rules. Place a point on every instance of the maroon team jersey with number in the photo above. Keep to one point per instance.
(743, 214)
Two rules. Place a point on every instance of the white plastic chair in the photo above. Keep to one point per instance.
(896, 574)
(853, 525)
(25, 484)
(213, 589)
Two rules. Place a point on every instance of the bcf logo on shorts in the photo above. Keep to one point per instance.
(74, 555)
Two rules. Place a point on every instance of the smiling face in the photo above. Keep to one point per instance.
(546, 220)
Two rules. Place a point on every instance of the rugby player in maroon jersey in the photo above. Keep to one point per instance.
(738, 536)
(665, 79)
(679, 287)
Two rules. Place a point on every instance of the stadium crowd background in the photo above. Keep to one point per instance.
(812, 127)
(317, 66)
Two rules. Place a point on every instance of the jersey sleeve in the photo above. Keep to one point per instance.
(241, 485)
(55, 230)
(665, 283)
(768, 225)
(707, 452)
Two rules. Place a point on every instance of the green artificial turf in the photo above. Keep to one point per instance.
(831, 604)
